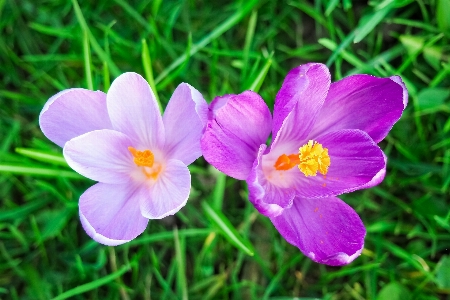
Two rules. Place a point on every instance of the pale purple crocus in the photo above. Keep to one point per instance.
(324, 143)
(139, 158)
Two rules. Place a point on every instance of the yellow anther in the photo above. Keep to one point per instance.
(313, 158)
(142, 158)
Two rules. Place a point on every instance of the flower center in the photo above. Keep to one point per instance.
(311, 158)
(142, 158)
(146, 159)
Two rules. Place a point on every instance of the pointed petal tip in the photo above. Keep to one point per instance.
(337, 259)
(397, 79)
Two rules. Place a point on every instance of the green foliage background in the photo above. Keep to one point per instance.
(221, 47)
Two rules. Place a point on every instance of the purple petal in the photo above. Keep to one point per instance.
(398, 80)
(303, 92)
(378, 178)
(168, 194)
(326, 230)
(355, 161)
(101, 155)
(363, 102)
(133, 110)
(237, 126)
(73, 112)
(269, 199)
(184, 122)
(110, 213)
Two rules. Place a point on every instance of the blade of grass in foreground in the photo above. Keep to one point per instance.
(219, 191)
(147, 63)
(95, 45)
(87, 60)
(181, 262)
(93, 284)
(43, 156)
(168, 235)
(25, 170)
(257, 82)
(228, 230)
(226, 25)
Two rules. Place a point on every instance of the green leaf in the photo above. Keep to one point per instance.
(443, 14)
(53, 221)
(415, 44)
(22, 211)
(228, 230)
(370, 21)
(394, 291)
(432, 98)
(443, 273)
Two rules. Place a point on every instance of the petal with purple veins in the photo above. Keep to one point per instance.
(299, 101)
(133, 110)
(110, 213)
(355, 161)
(184, 122)
(73, 112)
(326, 230)
(363, 102)
(101, 155)
(168, 194)
(237, 126)
(269, 199)
(378, 178)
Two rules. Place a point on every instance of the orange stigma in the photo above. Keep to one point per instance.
(142, 158)
(146, 159)
(312, 158)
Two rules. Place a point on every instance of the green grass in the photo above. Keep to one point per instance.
(218, 246)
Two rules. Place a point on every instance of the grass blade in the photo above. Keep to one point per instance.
(369, 22)
(256, 84)
(95, 45)
(228, 230)
(181, 262)
(39, 171)
(226, 25)
(93, 284)
(87, 60)
(56, 159)
(147, 63)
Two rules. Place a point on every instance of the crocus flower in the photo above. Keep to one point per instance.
(324, 143)
(138, 157)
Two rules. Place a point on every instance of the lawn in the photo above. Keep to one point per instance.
(218, 246)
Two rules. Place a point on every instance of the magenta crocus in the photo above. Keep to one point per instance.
(138, 157)
(324, 143)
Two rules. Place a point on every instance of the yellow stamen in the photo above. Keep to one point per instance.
(312, 158)
(142, 158)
